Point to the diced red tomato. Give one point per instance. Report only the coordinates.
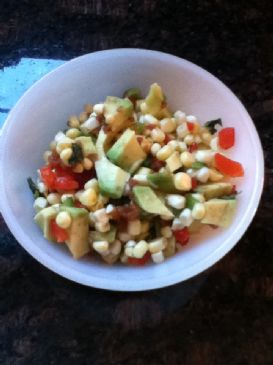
(226, 138)
(139, 262)
(48, 177)
(227, 166)
(59, 234)
(194, 183)
(193, 147)
(66, 184)
(182, 236)
(156, 164)
(190, 126)
(58, 178)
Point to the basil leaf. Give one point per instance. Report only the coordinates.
(197, 165)
(77, 154)
(33, 187)
(212, 123)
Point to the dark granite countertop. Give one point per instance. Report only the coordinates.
(225, 315)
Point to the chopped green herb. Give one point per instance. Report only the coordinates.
(197, 165)
(147, 162)
(33, 187)
(69, 202)
(211, 125)
(133, 94)
(140, 127)
(77, 154)
(190, 201)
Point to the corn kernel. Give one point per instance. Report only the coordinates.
(101, 227)
(182, 181)
(66, 154)
(73, 133)
(176, 201)
(180, 117)
(187, 158)
(88, 108)
(155, 148)
(73, 121)
(164, 153)
(168, 125)
(39, 204)
(89, 197)
(78, 168)
(63, 220)
(215, 175)
(166, 232)
(157, 135)
(214, 144)
(182, 130)
(134, 227)
(53, 198)
(186, 217)
(98, 108)
(46, 155)
(189, 139)
(92, 183)
(158, 257)
(101, 247)
(140, 249)
(83, 117)
(87, 163)
(157, 245)
(174, 162)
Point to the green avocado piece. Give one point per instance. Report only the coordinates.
(111, 178)
(133, 94)
(87, 145)
(214, 190)
(43, 219)
(109, 236)
(162, 181)
(102, 143)
(126, 152)
(117, 112)
(77, 242)
(148, 201)
(69, 202)
(219, 212)
(190, 201)
(155, 103)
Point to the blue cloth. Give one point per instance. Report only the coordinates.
(15, 80)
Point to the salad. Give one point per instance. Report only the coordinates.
(130, 181)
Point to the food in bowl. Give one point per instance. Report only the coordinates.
(130, 181)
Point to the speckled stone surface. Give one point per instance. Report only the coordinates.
(225, 315)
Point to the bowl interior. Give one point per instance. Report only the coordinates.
(44, 109)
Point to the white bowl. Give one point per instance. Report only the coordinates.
(43, 110)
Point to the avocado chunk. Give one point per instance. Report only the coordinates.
(214, 190)
(111, 178)
(109, 236)
(43, 219)
(126, 152)
(219, 212)
(87, 145)
(117, 112)
(162, 181)
(148, 201)
(78, 231)
(102, 143)
(155, 103)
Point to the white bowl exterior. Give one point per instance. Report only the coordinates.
(45, 107)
